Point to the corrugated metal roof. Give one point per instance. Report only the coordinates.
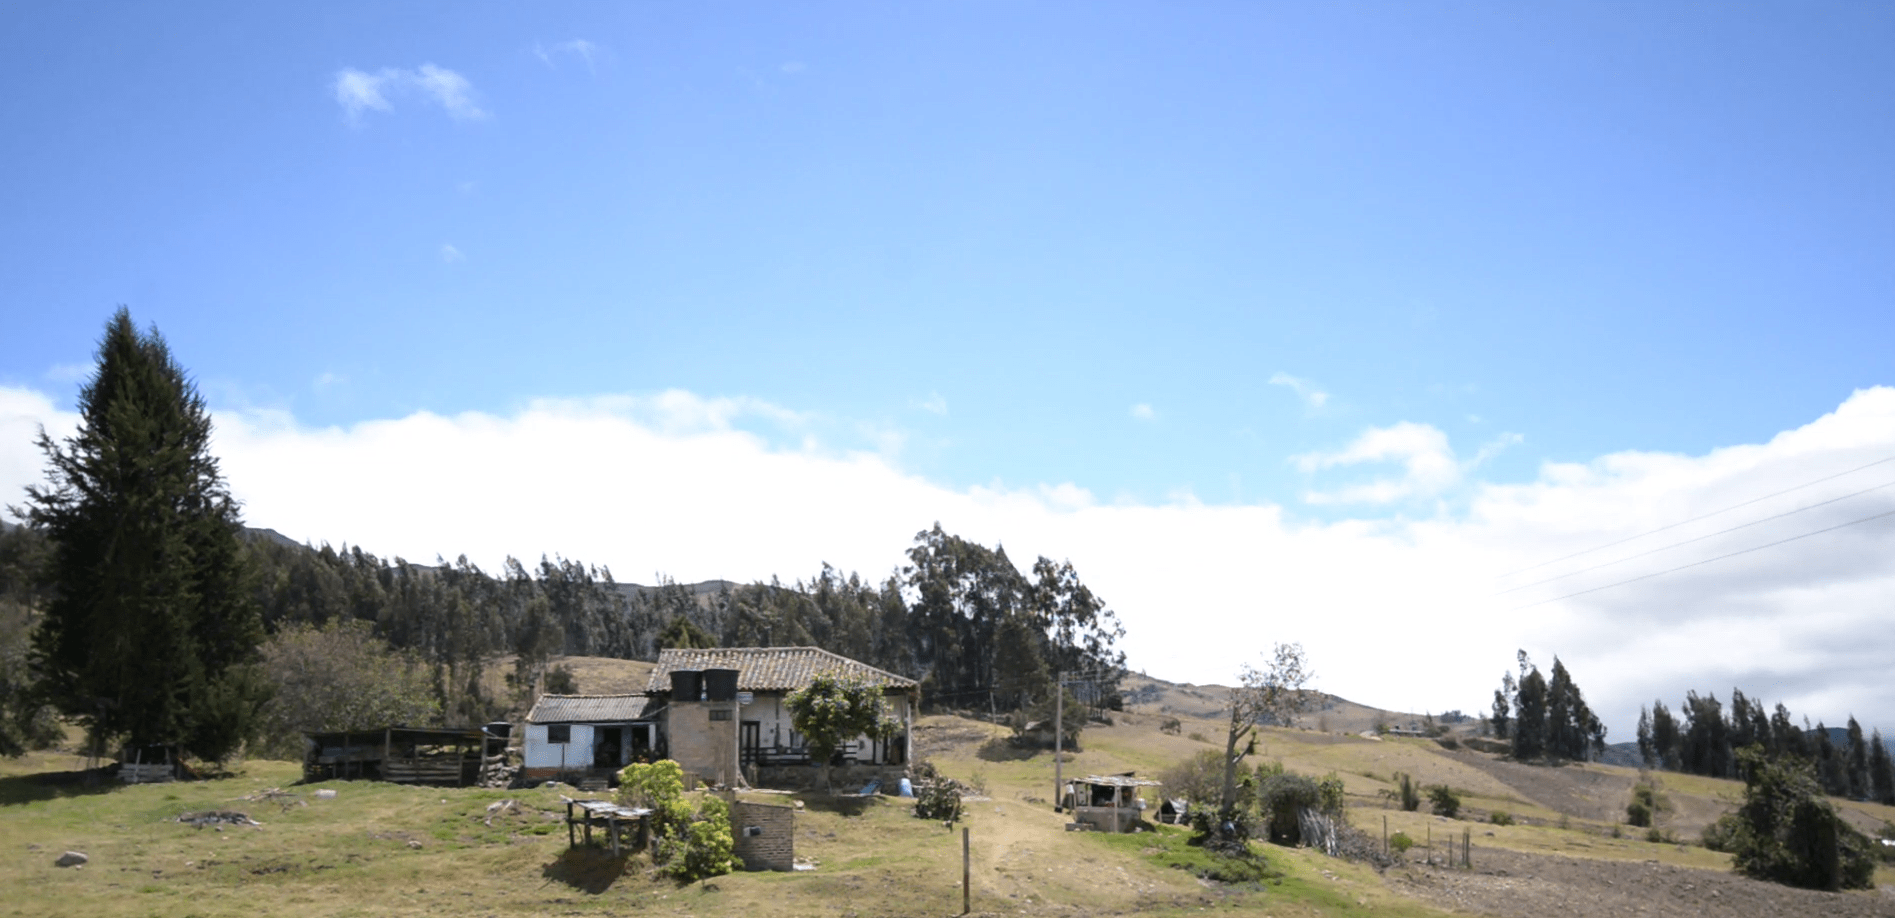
(769, 669)
(584, 709)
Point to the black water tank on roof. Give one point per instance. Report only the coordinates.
(687, 685)
(720, 685)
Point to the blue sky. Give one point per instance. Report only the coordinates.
(1352, 268)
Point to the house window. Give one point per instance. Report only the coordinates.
(720, 715)
(559, 734)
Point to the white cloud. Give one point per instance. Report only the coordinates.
(359, 91)
(326, 379)
(1427, 462)
(672, 483)
(450, 254)
(1429, 466)
(584, 50)
(1313, 397)
(935, 403)
(792, 67)
(1144, 412)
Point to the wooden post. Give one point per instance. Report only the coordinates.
(1384, 834)
(966, 876)
(388, 749)
(1059, 745)
(570, 840)
(612, 829)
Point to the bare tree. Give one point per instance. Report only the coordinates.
(1275, 695)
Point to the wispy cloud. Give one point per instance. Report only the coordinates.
(359, 91)
(1427, 461)
(1144, 412)
(584, 50)
(69, 372)
(328, 378)
(935, 403)
(1312, 396)
(450, 254)
(792, 67)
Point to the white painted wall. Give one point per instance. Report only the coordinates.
(542, 754)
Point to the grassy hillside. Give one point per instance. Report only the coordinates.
(379, 849)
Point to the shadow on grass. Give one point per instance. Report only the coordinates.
(587, 869)
(841, 804)
(1003, 749)
(49, 785)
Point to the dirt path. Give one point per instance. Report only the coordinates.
(1516, 885)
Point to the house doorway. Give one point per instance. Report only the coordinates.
(607, 747)
(750, 741)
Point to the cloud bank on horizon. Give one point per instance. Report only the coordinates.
(1773, 553)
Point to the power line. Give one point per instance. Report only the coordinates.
(1697, 518)
(1696, 539)
(1706, 561)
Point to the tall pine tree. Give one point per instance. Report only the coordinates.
(153, 630)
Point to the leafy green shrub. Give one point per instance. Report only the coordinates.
(1445, 801)
(1786, 832)
(1646, 804)
(1500, 818)
(658, 786)
(940, 800)
(1400, 842)
(1406, 792)
(706, 848)
(1225, 831)
(1281, 797)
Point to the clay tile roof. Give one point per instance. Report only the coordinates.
(581, 709)
(769, 669)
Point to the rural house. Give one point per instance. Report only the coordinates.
(724, 719)
(575, 737)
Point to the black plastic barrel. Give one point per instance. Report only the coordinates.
(687, 685)
(720, 685)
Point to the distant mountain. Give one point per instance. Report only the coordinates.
(270, 535)
(699, 589)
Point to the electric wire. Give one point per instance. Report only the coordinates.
(1681, 567)
(1697, 518)
(1695, 539)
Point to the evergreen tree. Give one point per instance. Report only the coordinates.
(1881, 771)
(1529, 729)
(1665, 739)
(1857, 761)
(1647, 750)
(153, 629)
(1503, 705)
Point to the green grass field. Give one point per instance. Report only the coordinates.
(385, 849)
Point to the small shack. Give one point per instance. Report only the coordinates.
(1106, 803)
(588, 737)
(455, 756)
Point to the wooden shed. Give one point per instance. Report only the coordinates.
(1107, 803)
(404, 755)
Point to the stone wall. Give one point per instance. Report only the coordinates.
(765, 835)
(847, 778)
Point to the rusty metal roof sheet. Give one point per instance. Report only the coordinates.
(583, 709)
(769, 669)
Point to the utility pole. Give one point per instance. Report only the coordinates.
(1059, 741)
